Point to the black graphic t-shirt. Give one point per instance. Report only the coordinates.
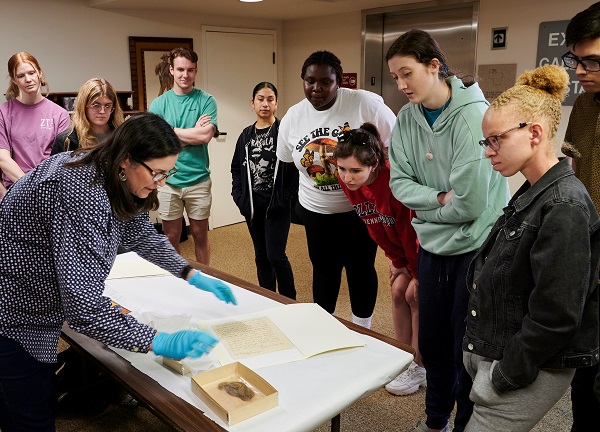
(262, 158)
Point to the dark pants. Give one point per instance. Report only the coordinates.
(337, 241)
(28, 399)
(586, 407)
(443, 302)
(269, 236)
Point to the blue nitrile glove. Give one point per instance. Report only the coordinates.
(184, 343)
(214, 286)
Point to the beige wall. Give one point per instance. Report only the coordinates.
(340, 34)
(522, 18)
(74, 42)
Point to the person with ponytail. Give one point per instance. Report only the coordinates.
(29, 122)
(533, 306)
(263, 188)
(364, 174)
(438, 169)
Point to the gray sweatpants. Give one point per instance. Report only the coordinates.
(513, 411)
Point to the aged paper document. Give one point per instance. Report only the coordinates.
(251, 337)
(259, 338)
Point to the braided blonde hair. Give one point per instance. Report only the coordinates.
(537, 95)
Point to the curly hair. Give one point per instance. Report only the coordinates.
(537, 94)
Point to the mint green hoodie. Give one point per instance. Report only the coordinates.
(458, 163)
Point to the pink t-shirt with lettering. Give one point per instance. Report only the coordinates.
(28, 131)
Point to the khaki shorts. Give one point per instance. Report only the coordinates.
(195, 199)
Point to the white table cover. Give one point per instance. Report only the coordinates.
(311, 391)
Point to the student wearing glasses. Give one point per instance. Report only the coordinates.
(61, 225)
(438, 170)
(364, 174)
(583, 146)
(29, 122)
(97, 113)
(533, 306)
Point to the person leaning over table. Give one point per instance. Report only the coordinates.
(73, 210)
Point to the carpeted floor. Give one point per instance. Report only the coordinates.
(232, 252)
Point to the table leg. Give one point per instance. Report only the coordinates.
(335, 424)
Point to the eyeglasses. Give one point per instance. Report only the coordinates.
(96, 107)
(493, 141)
(158, 176)
(572, 62)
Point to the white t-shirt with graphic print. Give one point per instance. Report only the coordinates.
(308, 137)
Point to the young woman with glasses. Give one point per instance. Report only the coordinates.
(263, 188)
(29, 122)
(97, 112)
(308, 135)
(533, 307)
(364, 174)
(61, 225)
(438, 169)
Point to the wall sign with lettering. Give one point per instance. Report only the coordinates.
(551, 47)
(349, 80)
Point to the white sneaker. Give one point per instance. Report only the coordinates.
(422, 427)
(408, 381)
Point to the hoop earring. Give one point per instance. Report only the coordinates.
(122, 175)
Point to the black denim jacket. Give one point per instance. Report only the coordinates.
(533, 284)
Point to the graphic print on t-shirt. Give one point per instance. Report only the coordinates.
(262, 161)
(317, 158)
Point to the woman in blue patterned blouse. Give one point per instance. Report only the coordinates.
(60, 226)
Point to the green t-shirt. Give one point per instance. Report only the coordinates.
(183, 111)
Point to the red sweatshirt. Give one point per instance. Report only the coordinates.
(388, 221)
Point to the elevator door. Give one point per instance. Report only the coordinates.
(454, 27)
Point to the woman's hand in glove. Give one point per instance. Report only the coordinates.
(184, 343)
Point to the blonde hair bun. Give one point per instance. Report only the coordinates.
(551, 79)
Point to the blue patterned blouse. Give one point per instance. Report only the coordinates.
(59, 239)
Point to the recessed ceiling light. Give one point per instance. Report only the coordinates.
(251, 1)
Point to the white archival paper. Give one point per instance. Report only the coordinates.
(135, 268)
(307, 325)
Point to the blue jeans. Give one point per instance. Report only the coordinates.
(28, 399)
(443, 301)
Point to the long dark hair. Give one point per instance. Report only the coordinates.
(262, 85)
(420, 45)
(364, 144)
(142, 137)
